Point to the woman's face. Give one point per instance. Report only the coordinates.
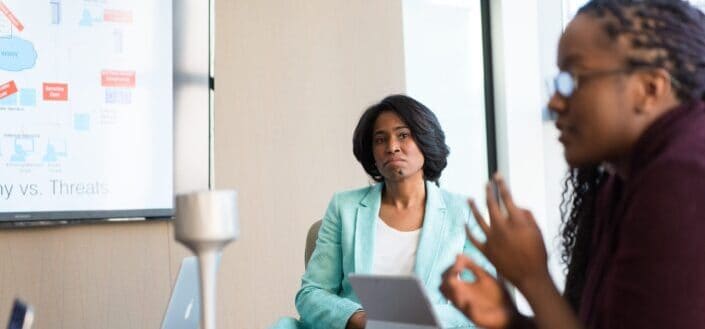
(597, 122)
(396, 154)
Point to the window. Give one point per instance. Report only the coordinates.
(443, 50)
(699, 3)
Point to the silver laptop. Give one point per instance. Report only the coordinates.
(394, 302)
(184, 307)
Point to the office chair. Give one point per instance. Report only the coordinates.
(311, 240)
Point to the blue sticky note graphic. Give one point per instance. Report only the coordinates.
(9, 100)
(82, 121)
(28, 97)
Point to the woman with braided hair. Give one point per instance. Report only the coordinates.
(630, 110)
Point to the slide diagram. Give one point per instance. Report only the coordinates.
(85, 84)
(55, 149)
(23, 146)
(16, 54)
(86, 36)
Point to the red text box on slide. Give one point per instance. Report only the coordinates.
(7, 89)
(112, 78)
(117, 16)
(55, 91)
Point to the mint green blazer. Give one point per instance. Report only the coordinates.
(345, 245)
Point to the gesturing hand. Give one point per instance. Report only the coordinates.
(514, 244)
(484, 301)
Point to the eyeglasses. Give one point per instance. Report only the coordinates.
(565, 83)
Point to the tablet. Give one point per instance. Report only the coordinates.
(394, 302)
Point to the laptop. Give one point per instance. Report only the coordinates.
(394, 302)
(184, 310)
(21, 316)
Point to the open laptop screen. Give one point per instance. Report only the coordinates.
(184, 307)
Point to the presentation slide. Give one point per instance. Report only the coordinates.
(86, 108)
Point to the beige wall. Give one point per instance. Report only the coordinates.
(293, 77)
(90, 276)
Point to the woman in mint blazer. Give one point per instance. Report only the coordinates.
(400, 144)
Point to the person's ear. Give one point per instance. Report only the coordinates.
(654, 87)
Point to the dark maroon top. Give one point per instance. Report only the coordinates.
(647, 262)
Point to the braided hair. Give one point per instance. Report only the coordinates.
(668, 34)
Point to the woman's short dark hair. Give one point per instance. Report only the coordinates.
(425, 129)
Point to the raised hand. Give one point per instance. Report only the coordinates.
(484, 301)
(514, 244)
(515, 247)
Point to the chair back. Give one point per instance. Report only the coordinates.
(311, 240)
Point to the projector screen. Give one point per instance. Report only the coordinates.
(86, 105)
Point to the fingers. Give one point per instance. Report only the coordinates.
(449, 291)
(478, 217)
(504, 193)
(462, 263)
(496, 216)
(483, 225)
(453, 271)
(478, 245)
(467, 263)
(529, 216)
(452, 284)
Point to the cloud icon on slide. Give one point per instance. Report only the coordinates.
(16, 54)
